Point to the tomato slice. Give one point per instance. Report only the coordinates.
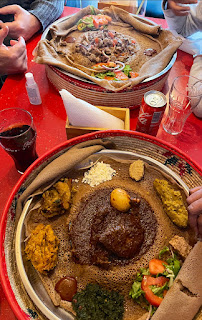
(156, 266)
(120, 75)
(148, 281)
(108, 18)
(96, 23)
(109, 78)
(111, 34)
(103, 21)
(101, 64)
(96, 40)
(115, 41)
(134, 74)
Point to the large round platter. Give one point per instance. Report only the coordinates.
(33, 285)
(91, 92)
(23, 290)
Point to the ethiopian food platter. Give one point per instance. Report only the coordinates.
(111, 47)
(110, 240)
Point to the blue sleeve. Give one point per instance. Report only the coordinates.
(46, 11)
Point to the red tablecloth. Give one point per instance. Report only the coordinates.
(50, 117)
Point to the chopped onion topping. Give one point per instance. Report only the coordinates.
(149, 314)
(122, 65)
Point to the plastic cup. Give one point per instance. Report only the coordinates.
(18, 137)
(185, 94)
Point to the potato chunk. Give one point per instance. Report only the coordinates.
(136, 170)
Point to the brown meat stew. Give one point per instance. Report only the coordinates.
(103, 236)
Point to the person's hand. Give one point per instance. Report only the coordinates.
(177, 6)
(24, 25)
(13, 59)
(195, 210)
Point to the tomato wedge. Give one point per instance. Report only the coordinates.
(120, 75)
(156, 266)
(96, 23)
(134, 74)
(115, 41)
(111, 34)
(96, 40)
(109, 78)
(148, 281)
(100, 65)
(101, 20)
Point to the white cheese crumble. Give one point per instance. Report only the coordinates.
(99, 173)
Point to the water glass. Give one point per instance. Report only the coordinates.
(185, 94)
(18, 136)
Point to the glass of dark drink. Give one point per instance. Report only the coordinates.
(18, 137)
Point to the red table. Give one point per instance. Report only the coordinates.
(50, 117)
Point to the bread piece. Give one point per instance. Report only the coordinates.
(181, 246)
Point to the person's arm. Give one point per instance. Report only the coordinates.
(184, 20)
(46, 11)
(24, 25)
(27, 23)
(194, 202)
(196, 72)
(13, 59)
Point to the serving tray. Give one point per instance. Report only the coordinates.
(31, 281)
(180, 165)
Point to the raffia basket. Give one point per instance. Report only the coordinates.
(96, 95)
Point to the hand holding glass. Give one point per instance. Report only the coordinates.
(185, 94)
(18, 136)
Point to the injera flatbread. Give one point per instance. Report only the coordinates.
(56, 52)
(118, 277)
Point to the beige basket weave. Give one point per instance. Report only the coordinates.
(96, 95)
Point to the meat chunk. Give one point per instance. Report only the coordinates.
(181, 246)
(123, 235)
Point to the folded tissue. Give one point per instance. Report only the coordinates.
(83, 114)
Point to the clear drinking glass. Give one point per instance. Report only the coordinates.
(18, 136)
(185, 94)
(132, 6)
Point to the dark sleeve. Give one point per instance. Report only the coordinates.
(46, 11)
